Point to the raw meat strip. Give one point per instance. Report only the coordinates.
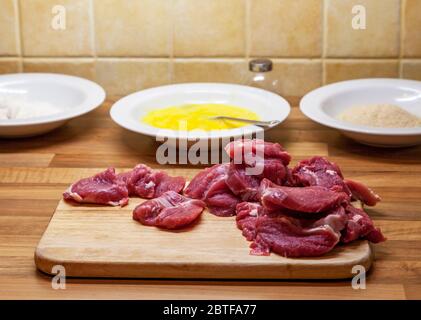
(247, 186)
(318, 171)
(305, 199)
(209, 185)
(288, 238)
(241, 184)
(204, 181)
(170, 211)
(359, 225)
(275, 171)
(336, 219)
(248, 151)
(363, 193)
(220, 200)
(164, 183)
(247, 215)
(144, 182)
(269, 164)
(130, 178)
(103, 188)
(265, 184)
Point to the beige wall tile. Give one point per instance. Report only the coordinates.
(412, 28)
(123, 76)
(40, 39)
(379, 39)
(209, 28)
(209, 70)
(9, 65)
(133, 28)
(84, 68)
(8, 25)
(411, 70)
(339, 70)
(297, 77)
(286, 28)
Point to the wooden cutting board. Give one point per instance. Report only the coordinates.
(98, 241)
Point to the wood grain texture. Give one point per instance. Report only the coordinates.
(25, 159)
(29, 195)
(95, 241)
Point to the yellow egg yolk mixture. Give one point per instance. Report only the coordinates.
(196, 116)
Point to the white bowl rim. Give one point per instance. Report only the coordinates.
(95, 96)
(311, 103)
(148, 130)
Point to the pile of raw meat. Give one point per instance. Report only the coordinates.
(300, 212)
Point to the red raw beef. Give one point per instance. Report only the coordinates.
(247, 215)
(241, 184)
(318, 171)
(103, 188)
(363, 193)
(359, 225)
(130, 178)
(170, 211)
(144, 182)
(271, 164)
(302, 212)
(289, 237)
(335, 218)
(209, 185)
(248, 151)
(305, 199)
(275, 171)
(220, 200)
(204, 180)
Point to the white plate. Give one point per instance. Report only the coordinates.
(128, 111)
(324, 104)
(74, 96)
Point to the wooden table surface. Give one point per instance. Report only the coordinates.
(32, 180)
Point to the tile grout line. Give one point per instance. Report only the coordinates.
(171, 44)
(401, 36)
(18, 30)
(58, 58)
(324, 40)
(215, 59)
(247, 33)
(93, 35)
(244, 77)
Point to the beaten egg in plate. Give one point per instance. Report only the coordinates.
(149, 112)
(198, 116)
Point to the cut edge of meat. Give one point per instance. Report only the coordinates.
(74, 197)
(246, 218)
(292, 241)
(363, 193)
(360, 226)
(117, 190)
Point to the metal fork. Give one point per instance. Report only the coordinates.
(265, 124)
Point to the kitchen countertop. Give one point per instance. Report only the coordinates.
(31, 186)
